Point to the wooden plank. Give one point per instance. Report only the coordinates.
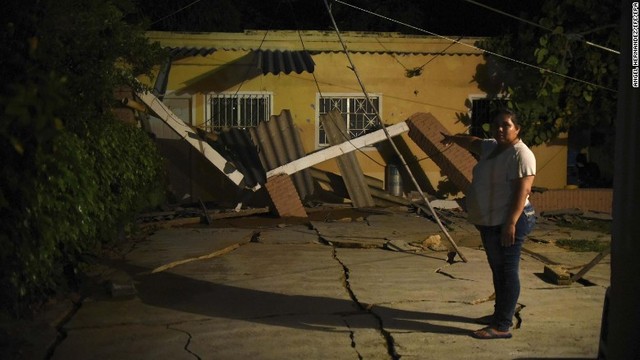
(224, 251)
(173, 121)
(213, 215)
(236, 214)
(337, 150)
(590, 265)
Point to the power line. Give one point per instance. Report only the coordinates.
(249, 68)
(315, 79)
(538, 25)
(244, 79)
(417, 71)
(476, 48)
(177, 11)
(392, 143)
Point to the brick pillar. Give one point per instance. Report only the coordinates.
(284, 196)
(455, 162)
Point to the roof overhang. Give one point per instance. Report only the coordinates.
(317, 42)
(266, 61)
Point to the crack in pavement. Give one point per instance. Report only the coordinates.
(391, 349)
(186, 346)
(442, 272)
(517, 316)
(352, 336)
(414, 301)
(62, 333)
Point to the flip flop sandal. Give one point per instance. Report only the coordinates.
(490, 333)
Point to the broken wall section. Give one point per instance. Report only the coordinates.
(454, 161)
(285, 199)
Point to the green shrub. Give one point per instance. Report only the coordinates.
(71, 175)
(82, 192)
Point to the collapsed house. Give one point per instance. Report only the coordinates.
(250, 116)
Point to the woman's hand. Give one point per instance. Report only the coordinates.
(508, 235)
(448, 139)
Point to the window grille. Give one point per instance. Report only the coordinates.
(238, 110)
(481, 112)
(359, 115)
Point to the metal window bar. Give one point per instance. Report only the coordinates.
(239, 111)
(481, 114)
(359, 116)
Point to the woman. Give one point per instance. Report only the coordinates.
(498, 204)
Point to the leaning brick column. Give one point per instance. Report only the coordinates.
(284, 196)
(454, 161)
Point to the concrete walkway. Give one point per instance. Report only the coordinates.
(292, 292)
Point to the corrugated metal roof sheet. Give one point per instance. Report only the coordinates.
(182, 52)
(279, 143)
(277, 61)
(271, 144)
(267, 61)
(350, 169)
(237, 146)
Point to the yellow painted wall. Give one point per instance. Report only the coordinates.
(442, 89)
(551, 161)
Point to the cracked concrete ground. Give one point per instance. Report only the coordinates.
(291, 293)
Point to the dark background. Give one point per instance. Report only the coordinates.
(443, 17)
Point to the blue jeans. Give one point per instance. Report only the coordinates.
(505, 263)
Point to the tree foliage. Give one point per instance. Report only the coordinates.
(71, 174)
(577, 86)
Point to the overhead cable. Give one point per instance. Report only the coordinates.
(315, 79)
(177, 11)
(537, 25)
(393, 144)
(476, 48)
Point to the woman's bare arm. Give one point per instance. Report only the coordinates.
(469, 142)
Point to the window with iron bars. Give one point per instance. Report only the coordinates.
(481, 112)
(241, 110)
(359, 115)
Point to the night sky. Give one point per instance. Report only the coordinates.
(444, 17)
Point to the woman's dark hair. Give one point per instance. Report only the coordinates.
(508, 112)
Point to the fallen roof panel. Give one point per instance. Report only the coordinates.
(185, 132)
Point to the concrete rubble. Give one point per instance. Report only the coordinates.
(324, 289)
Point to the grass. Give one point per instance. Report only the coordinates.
(587, 225)
(583, 245)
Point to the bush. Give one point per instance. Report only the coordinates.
(71, 175)
(80, 194)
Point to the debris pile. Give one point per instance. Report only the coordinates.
(190, 215)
